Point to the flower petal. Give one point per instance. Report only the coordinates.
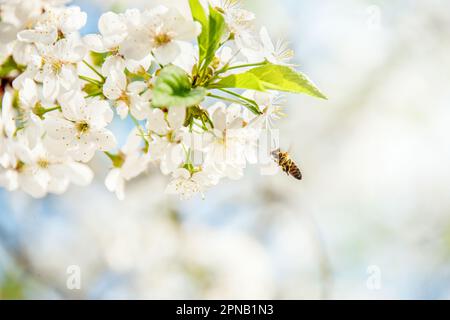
(104, 140)
(167, 53)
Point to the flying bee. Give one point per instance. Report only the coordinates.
(287, 164)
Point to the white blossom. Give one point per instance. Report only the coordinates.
(240, 22)
(230, 144)
(134, 97)
(30, 100)
(264, 49)
(80, 128)
(167, 135)
(39, 173)
(271, 105)
(132, 161)
(113, 31)
(187, 185)
(58, 71)
(53, 24)
(159, 32)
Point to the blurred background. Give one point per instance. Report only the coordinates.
(370, 220)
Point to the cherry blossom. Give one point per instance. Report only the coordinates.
(160, 31)
(58, 71)
(128, 164)
(134, 97)
(167, 135)
(39, 172)
(187, 185)
(80, 127)
(179, 82)
(265, 49)
(53, 24)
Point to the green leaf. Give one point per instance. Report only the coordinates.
(199, 15)
(217, 27)
(173, 88)
(271, 77)
(213, 29)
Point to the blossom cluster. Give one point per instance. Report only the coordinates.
(207, 83)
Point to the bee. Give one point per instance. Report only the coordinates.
(287, 164)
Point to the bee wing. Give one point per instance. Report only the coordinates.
(276, 153)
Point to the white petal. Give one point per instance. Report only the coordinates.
(167, 53)
(135, 66)
(73, 105)
(9, 180)
(181, 173)
(74, 20)
(176, 117)
(266, 40)
(122, 109)
(79, 174)
(8, 118)
(105, 140)
(115, 85)
(50, 88)
(115, 183)
(188, 30)
(219, 119)
(55, 147)
(140, 109)
(112, 179)
(95, 43)
(137, 87)
(133, 166)
(34, 184)
(60, 129)
(133, 142)
(136, 46)
(188, 59)
(68, 77)
(47, 36)
(115, 64)
(173, 159)
(111, 89)
(24, 53)
(58, 186)
(111, 24)
(85, 150)
(98, 113)
(183, 28)
(157, 123)
(29, 94)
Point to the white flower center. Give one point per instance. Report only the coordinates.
(82, 127)
(162, 39)
(55, 64)
(43, 163)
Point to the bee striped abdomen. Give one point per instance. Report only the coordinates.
(287, 164)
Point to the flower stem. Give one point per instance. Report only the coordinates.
(116, 159)
(249, 104)
(95, 70)
(227, 68)
(40, 111)
(95, 94)
(224, 98)
(141, 131)
(52, 109)
(253, 102)
(90, 80)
